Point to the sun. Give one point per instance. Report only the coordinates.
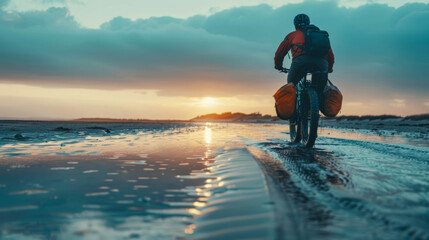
(208, 101)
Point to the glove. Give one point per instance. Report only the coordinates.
(278, 68)
(330, 70)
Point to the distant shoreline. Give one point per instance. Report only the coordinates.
(381, 124)
(94, 120)
(242, 117)
(233, 117)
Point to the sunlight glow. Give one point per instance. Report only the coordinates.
(190, 229)
(199, 204)
(208, 101)
(193, 211)
(208, 135)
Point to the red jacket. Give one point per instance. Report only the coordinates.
(295, 41)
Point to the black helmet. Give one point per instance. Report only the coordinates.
(301, 20)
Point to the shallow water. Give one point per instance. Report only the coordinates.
(201, 181)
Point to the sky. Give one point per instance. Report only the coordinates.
(169, 59)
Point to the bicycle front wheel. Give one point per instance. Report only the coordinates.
(295, 131)
(310, 118)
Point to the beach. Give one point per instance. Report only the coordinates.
(191, 180)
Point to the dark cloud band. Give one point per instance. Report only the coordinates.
(374, 44)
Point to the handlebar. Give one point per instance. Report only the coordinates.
(284, 70)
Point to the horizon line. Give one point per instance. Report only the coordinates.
(110, 119)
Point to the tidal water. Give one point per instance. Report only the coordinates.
(65, 180)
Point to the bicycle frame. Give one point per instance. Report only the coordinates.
(304, 123)
(301, 89)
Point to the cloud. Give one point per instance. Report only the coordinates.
(398, 103)
(47, 2)
(226, 53)
(4, 3)
(53, 18)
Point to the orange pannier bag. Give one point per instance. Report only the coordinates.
(285, 101)
(332, 100)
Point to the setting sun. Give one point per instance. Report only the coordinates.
(208, 101)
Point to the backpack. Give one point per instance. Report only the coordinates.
(316, 41)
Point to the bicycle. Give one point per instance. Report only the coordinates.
(305, 120)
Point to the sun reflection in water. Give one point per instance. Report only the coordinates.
(199, 204)
(190, 229)
(193, 211)
(208, 134)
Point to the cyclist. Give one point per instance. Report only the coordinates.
(301, 62)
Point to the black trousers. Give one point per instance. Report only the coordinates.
(303, 64)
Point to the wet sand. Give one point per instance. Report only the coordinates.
(150, 182)
(208, 181)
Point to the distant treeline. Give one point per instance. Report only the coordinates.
(229, 116)
(234, 117)
(383, 117)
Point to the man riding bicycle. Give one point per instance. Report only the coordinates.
(302, 61)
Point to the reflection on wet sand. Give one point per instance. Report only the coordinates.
(123, 190)
(102, 186)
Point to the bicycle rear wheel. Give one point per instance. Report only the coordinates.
(310, 118)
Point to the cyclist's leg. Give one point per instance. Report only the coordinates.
(297, 69)
(296, 72)
(320, 64)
